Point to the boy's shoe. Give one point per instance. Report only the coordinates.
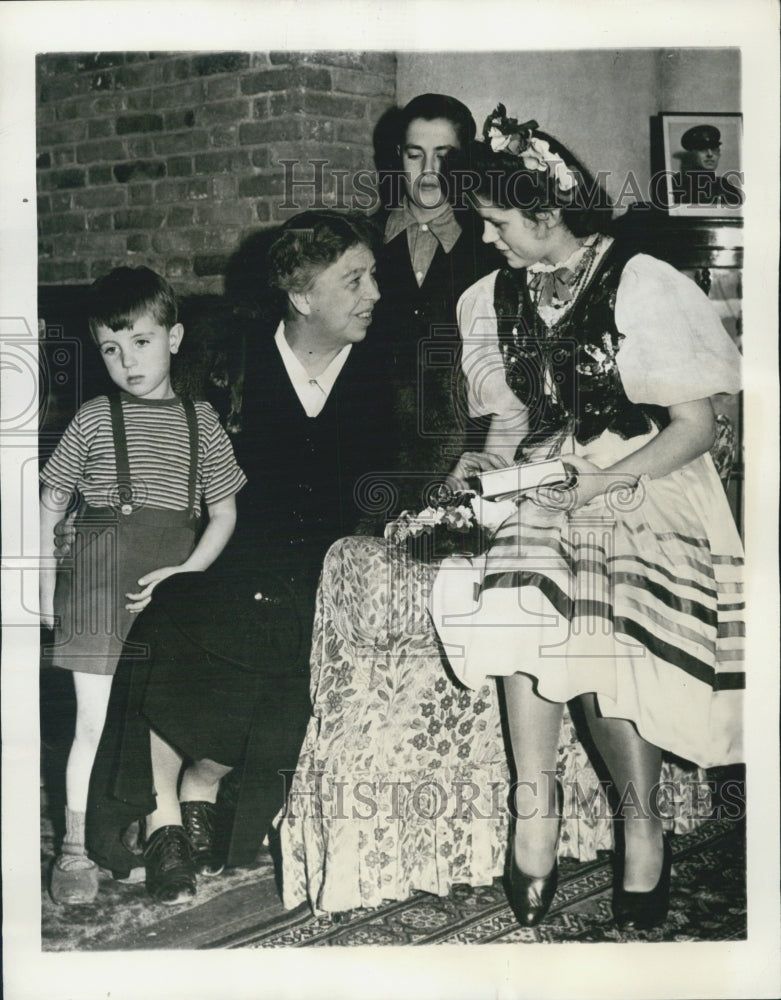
(199, 819)
(74, 880)
(170, 875)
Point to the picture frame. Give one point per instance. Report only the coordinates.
(704, 181)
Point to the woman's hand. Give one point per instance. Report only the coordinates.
(590, 481)
(148, 582)
(689, 434)
(468, 466)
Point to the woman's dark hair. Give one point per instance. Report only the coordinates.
(309, 243)
(117, 299)
(503, 179)
(432, 106)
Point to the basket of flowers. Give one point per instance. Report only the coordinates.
(455, 522)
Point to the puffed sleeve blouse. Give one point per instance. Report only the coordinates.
(674, 350)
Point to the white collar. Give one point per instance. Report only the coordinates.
(571, 262)
(312, 392)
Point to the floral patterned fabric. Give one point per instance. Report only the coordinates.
(402, 781)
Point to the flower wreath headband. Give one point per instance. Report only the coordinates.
(505, 135)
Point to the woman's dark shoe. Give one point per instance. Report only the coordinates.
(170, 874)
(530, 898)
(644, 910)
(199, 820)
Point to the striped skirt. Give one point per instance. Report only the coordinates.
(637, 596)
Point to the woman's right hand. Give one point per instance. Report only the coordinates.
(468, 466)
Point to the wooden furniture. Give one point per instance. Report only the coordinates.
(694, 244)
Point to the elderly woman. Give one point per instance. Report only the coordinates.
(403, 781)
(226, 677)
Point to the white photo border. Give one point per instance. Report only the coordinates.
(728, 969)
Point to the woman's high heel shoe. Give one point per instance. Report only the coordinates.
(644, 910)
(530, 896)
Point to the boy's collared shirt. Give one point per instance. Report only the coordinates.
(312, 392)
(423, 237)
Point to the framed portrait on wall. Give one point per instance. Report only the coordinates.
(702, 163)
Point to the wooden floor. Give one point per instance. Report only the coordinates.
(125, 918)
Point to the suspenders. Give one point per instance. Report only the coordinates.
(123, 464)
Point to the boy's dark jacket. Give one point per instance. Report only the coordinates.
(417, 328)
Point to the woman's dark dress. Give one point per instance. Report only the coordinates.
(227, 675)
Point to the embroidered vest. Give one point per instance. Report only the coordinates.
(567, 374)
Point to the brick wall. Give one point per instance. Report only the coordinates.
(170, 159)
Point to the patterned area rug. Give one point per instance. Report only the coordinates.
(708, 904)
(241, 909)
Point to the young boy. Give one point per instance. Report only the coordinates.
(142, 462)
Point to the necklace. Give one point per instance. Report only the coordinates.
(552, 293)
(554, 290)
(585, 269)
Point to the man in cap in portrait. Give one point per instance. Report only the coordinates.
(697, 183)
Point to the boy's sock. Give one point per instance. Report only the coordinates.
(74, 841)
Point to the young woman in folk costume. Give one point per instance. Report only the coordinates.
(625, 589)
